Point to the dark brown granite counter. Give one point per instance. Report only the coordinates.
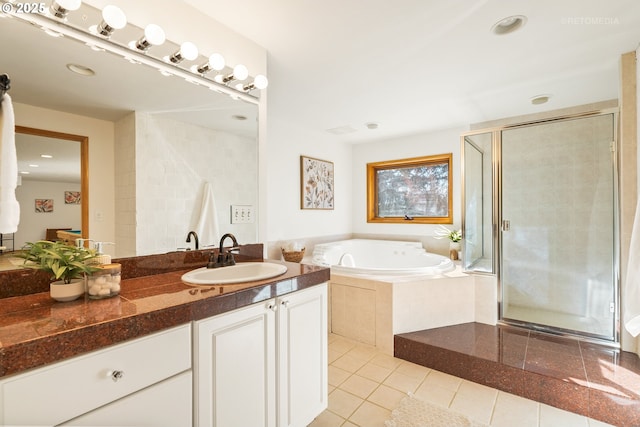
(36, 330)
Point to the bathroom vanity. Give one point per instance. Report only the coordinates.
(165, 353)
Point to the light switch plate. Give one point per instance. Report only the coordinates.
(242, 214)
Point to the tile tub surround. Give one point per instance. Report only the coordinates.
(585, 378)
(35, 330)
(371, 309)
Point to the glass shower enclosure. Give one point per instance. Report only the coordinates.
(552, 233)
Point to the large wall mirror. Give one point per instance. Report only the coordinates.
(53, 191)
(154, 142)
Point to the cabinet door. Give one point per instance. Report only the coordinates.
(302, 356)
(234, 369)
(166, 404)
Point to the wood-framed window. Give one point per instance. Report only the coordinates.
(415, 190)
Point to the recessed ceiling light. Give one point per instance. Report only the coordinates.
(509, 24)
(341, 130)
(540, 99)
(46, 156)
(34, 166)
(371, 125)
(81, 69)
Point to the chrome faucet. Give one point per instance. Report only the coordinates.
(223, 259)
(195, 236)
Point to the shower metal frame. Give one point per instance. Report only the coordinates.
(497, 268)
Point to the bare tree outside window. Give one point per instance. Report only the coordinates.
(410, 190)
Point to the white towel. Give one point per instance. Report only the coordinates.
(207, 228)
(631, 293)
(9, 207)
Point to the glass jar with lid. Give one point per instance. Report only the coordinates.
(105, 282)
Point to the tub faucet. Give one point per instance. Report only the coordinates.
(195, 236)
(224, 259)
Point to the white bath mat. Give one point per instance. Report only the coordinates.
(414, 412)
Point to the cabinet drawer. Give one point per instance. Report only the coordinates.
(64, 390)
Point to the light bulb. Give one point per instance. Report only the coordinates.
(188, 51)
(216, 62)
(60, 8)
(154, 35)
(240, 72)
(114, 17)
(260, 82)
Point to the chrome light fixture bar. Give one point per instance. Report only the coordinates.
(136, 51)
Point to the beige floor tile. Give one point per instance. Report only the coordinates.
(362, 351)
(554, 417)
(386, 397)
(475, 406)
(341, 345)
(343, 403)
(337, 376)
(386, 361)
(443, 380)
(327, 419)
(360, 386)
(471, 388)
(370, 415)
(402, 382)
(349, 424)
(435, 394)
(413, 370)
(511, 410)
(349, 363)
(333, 355)
(374, 372)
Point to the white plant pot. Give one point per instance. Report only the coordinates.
(64, 292)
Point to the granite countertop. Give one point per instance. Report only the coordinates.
(36, 330)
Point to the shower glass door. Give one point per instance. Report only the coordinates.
(557, 226)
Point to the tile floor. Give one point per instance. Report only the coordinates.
(366, 385)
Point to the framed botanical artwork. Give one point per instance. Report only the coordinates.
(316, 183)
(415, 190)
(72, 197)
(44, 205)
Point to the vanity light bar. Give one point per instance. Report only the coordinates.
(136, 52)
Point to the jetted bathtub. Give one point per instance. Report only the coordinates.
(379, 257)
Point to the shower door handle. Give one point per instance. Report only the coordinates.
(506, 225)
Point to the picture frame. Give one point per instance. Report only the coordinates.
(316, 183)
(72, 197)
(415, 190)
(44, 205)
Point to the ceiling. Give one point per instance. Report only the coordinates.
(420, 65)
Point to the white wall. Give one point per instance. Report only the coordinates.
(101, 160)
(445, 141)
(286, 221)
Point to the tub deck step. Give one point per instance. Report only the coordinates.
(585, 378)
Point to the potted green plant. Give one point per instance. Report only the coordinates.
(66, 265)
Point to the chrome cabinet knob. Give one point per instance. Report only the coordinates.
(117, 375)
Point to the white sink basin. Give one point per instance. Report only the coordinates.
(241, 272)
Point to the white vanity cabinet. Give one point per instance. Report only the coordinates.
(142, 382)
(264, 365)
